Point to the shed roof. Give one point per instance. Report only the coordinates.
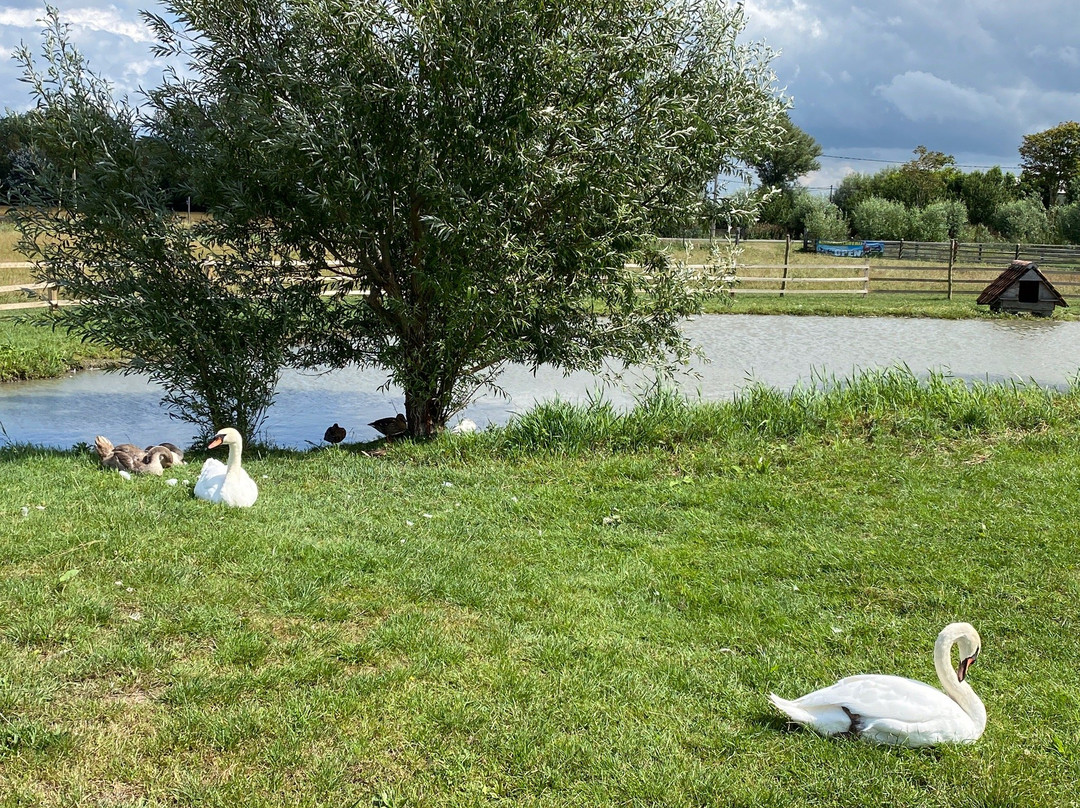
(1011, 275)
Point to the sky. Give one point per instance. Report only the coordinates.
(869, 81)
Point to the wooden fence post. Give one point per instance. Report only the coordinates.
(787, 252)
(952, 260)
(52, 295)
(900, 251)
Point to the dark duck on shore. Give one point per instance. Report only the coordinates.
(334, 434)
(391, 427)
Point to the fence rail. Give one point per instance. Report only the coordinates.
(51, 297)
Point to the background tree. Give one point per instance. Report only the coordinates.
(852, 190)
(14, 150)
(1051, 161)
(792, 154)
(983, 192)
(919, 181)
(818, 218)
(483, 171)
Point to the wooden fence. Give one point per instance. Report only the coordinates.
(47, 295)
(905, 267)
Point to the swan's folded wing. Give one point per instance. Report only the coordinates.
(895, 698)
(210, 479)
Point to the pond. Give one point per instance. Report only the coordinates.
(780, 351)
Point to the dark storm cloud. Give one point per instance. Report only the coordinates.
(966, 78)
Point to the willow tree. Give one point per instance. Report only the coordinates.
(212, 321)
(486, 176)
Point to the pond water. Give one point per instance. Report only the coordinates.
(780, 351)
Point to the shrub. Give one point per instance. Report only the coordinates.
(928, 224)
(878, 218)
(1067, 223)
(1024, 220)
(820, 218)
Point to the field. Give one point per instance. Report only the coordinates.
(584, 609)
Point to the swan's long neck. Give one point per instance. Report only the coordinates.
(958, 691)
(234, 456)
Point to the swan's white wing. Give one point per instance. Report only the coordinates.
(208, 486)
(875, 696)
(239, 490)
(885, 709)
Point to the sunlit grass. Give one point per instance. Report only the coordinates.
(31, 349)
(586, 608)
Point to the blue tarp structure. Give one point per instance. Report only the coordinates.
(851, 250)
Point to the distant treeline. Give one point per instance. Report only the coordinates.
(927, 199)
(21, 161)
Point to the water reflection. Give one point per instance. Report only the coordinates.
(742, 349)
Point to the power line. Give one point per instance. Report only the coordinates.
(901, 162)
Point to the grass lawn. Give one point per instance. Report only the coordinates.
(579, 609)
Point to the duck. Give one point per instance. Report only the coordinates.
(900, 711)
(391, 427)
(226, 483)
(334, 434)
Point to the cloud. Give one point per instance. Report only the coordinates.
(923, 96)
(107, 20)
(792, 21)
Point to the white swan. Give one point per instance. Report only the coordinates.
(895, 710)
(226, 483)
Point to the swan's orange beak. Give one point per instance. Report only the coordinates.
(215, 442)
(962, 669)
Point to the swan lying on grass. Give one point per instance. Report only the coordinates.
(223, 483)
(895, 710)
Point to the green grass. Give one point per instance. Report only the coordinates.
(961, 307)
(9, 237)
(586, 608)
(30, 349)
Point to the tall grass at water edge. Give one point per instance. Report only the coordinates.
(892, 401)
(30, 349)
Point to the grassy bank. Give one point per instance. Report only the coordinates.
(30, 349)
(881, 305)
(582, 609)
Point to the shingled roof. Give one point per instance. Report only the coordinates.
(1015, 271)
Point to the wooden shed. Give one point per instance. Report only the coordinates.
(1022, 287)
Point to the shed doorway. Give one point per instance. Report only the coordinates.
(1028, 291)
